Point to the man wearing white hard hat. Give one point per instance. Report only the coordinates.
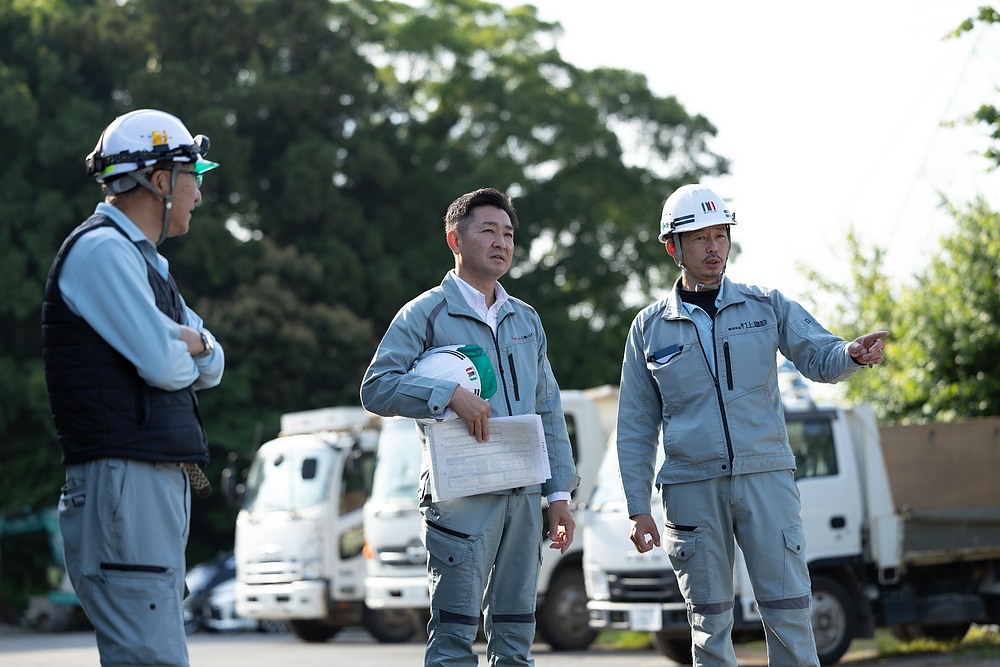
(124, 356)
(700, 374)
(483, 550)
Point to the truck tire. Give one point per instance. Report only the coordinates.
(833, 620)
(391, 626)
(562, 620)
(951, 632)
(673, 647)
(314, 632)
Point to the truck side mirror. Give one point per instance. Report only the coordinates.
(231, 488)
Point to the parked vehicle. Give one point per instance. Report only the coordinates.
(397, 560)
(210, 603)
(299, 532)
(59, 609)
(902, 531)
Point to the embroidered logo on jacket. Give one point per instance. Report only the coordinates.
(526, 336)
(751, 324)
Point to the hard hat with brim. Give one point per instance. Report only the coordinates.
(690, 208)
(467, 365)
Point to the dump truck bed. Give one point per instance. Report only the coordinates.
(943, 479)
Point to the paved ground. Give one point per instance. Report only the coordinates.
(20, 648)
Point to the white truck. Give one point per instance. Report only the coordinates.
(902, 531)
(299, 531)
(397, 560)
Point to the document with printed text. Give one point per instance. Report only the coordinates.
(516, 455)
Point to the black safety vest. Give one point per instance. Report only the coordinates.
(100, 405)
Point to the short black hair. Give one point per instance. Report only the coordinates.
(460, 211)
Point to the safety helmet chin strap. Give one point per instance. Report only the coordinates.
(168, 199)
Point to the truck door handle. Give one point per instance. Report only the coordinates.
(837, 522)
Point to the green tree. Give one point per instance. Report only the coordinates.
(943, 353)
(343, 129)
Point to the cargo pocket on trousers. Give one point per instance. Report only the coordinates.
(796, 571)
(139, 607)
(684, 550)
(452, 559)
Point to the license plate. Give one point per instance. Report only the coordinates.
(415, 594)
(645, 618)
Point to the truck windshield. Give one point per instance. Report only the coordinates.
(810, 435)
(289, 480)
(397, 465)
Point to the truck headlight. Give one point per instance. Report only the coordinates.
(311, 568)
(596, 582)
(312, 559)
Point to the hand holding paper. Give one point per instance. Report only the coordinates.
(514, 456)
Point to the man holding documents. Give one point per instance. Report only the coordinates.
(484, 550)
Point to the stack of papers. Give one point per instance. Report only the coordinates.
(514, 456)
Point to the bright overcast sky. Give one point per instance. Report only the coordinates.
(830, 114)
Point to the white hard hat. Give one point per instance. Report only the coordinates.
(142, 138)
(692, 207)
(467, 365)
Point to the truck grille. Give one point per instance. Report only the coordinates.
(271, 572)
(412, 554)
(644, 586)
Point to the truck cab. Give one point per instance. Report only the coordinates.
(299, 532)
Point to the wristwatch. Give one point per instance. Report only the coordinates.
(209, 344)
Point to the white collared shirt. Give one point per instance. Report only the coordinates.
(477, 301)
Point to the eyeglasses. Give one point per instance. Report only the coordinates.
(192, 172)
(197, 176)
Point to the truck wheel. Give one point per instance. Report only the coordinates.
(834, 623)
(391, 626)
(673, 647)
(562, 620)
(314, 632)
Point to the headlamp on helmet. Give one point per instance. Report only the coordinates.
(141, 139)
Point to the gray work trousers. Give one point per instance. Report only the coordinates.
(125, 528)
(483, 556)
(761, 512)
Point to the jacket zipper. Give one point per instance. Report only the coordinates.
(718, 394)
(513, 376)
(729, 365)
(503, 380)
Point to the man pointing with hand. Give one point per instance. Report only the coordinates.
(700, 370)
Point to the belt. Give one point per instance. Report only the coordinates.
(196, 477)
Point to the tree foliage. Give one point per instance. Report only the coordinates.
(343, 129)
(943, 353)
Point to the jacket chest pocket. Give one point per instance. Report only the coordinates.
(747, 359)
(519, 367)
(678, 370)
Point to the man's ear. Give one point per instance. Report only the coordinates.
(452, 239)
(669, 245)
(160, 179)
